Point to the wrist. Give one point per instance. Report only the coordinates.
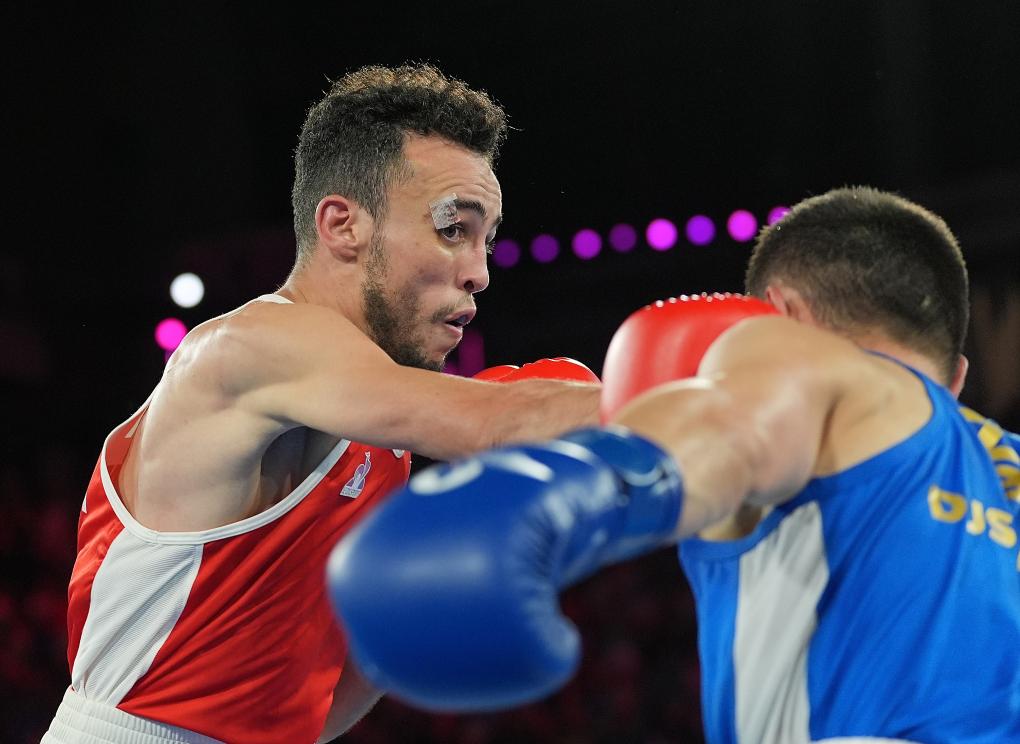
(649, 483)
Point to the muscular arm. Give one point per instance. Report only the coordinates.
(749, 428)
(353, 697)
(304, 365)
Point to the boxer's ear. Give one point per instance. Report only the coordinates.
(789, 302)
(960, 376)
(343, 227)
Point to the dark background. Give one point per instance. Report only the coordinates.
(146, 139)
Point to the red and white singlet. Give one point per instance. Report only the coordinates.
(225, 633)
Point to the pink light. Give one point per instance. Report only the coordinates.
(545, 248)
(776, 214)
(700, 230)
(661, 234)
(506, 253)
(470, 353)
(587, 244)
(623, 238)
(742, 225)
(169, 333)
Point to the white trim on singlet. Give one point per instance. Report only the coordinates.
(278, 299)
(138, 594)
(81, 721)
(261, 519)
(787, 569)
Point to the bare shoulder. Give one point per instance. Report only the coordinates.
(209, 411)
(774, 341)
(301, 364)
(262, 343)
(871, 401)
(810, 357)
(883, 404)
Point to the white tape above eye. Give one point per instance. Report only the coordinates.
(444, 211)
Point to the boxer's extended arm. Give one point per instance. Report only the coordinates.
(470, 583)
(749, 428)
(305, 365)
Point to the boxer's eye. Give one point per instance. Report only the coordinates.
(454, 233)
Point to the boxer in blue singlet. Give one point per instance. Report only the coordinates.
(850, 532)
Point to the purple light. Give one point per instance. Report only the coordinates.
(470, 353)
(169, 333)
(506, 253)
(545, 248)
(776, 214)
(661, 234)
(742, 225)
(700, 230)
(587, 244)
(623, 238)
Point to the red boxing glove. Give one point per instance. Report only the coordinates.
(558, 368)
(666, 340)
(493, 374)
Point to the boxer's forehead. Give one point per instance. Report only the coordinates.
(440, 169)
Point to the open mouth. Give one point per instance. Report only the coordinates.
(460, 320)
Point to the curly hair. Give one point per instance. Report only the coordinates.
(867, 259)
(352, 140)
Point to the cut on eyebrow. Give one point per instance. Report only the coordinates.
(477, 207)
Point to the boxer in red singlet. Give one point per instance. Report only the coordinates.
(197, 602)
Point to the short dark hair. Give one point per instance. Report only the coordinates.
(352, 140)
(866, 259)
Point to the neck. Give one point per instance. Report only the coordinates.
(901, 353)
(317, 286)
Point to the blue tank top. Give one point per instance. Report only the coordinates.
(883, 600)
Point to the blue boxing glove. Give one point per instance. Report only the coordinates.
(448, 591)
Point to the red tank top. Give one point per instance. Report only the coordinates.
(227, 632)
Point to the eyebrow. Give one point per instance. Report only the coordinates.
(477, 207)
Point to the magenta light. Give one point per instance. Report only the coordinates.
(742, 225)
(776, 214)
(506, 253)
(587, 244)
(623, 238)
(545, 248)
(169, 333)
(661, 234)
(470, 353)
(700, 230)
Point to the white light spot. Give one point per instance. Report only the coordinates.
(187, 290)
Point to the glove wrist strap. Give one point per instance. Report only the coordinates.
(651, 488)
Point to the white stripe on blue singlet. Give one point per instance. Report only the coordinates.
(786, 569)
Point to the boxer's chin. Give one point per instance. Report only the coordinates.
(412, 355)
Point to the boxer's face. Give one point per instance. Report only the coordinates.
(419, 281)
